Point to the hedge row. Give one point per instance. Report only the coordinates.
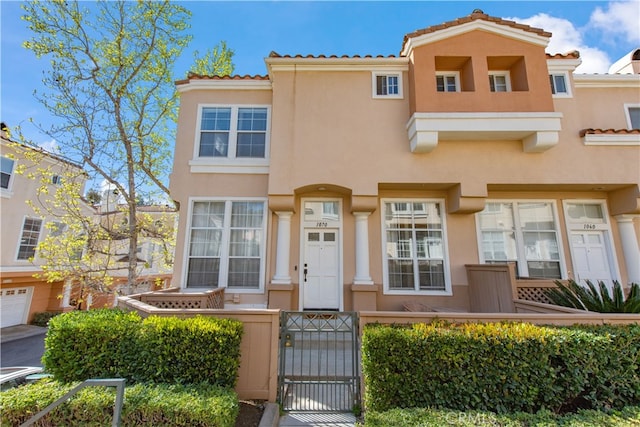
(144, 405)
(112, 343)
(501, 367)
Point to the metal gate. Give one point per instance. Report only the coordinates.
(319, 361)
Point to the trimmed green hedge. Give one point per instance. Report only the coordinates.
(501, 367)
(144, 405)
(424, 417)
(111, 343)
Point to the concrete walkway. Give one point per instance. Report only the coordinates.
(297, 419)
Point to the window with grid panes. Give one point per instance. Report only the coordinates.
(414, 246)
(226, 244)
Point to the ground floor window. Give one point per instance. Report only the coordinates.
(414, 242)
(226, 244)
(522, 232)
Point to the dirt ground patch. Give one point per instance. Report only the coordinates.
(250, 413)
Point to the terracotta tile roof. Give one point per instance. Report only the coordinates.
(193, 76)
(569, 55)
(277, 55)
(475, 15)
(590, 131)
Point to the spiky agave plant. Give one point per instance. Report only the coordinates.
(596, 298)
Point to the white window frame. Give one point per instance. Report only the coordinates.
(567, 85)
(507, 80)
(627, 114)
(445, 251)
(224, 250)
(21, 236)
(523, 268)
(6, 192)
(445, 74)
(374, 85)
(231, 163)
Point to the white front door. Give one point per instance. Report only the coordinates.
(590, 257)
(320, 279)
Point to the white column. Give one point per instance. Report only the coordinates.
(283, 244)
(362, 249)
(630, 249)
(66, 296)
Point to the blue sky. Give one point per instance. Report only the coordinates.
(603, 31)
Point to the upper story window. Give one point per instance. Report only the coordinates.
(448, 81)
(499, 81)
(522, 232)
(29, 238)
(633, 116)
(56, 179)
(233, 132)
(387, 85)
(559, 84)
(6, 171)
(415, 255)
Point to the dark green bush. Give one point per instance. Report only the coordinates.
(596, 298)
(501, 367)
(144, 405)
(188, 351)
(90, 344)
(111, 343)
(42, 318)
(424, 417)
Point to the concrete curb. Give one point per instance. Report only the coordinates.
(270, 416)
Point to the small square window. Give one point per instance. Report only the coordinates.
(499, 82)
(6, 171)
(633, 116)
(56, 180)
(447, 82)
(387, 86)
(558, 84)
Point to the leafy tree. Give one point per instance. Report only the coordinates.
(216, 61)
(110, 86)
(93, 196)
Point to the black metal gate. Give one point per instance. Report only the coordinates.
(319, 361)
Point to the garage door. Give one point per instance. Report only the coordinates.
(14, 306)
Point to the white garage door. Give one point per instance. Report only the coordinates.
(14, 306)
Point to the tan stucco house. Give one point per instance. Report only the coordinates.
(23, 292)
(361, 183)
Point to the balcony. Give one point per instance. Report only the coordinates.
(538, 131)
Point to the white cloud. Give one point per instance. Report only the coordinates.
(50, 146)
(620, 19)
(566, 38)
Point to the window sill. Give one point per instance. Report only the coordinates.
(445, 293)
(244, 166)
(6, 194)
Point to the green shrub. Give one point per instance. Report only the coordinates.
(111, 343)
(596, 298)
(188, 350)
(144, 405)
(501, 367)
(90, 344)
(423, 417)
(42, 318)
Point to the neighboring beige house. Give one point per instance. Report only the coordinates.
(360, 183)
(22, 229)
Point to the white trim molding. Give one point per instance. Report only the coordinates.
(611, 139)
(490, 27)
(537, 131)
